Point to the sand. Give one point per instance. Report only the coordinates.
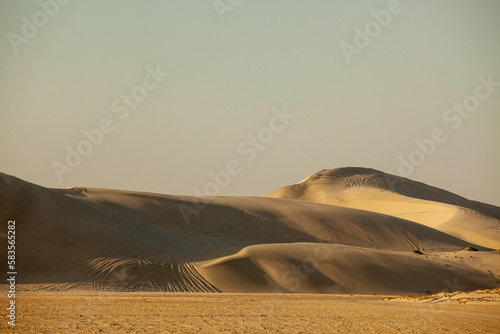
(129, 241)
(139, 312)
(339, 232)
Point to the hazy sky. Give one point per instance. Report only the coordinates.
(362, 92)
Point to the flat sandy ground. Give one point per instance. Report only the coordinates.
(130, 312)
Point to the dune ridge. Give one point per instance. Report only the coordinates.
(347, 230)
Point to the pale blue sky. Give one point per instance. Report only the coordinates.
(225, 78)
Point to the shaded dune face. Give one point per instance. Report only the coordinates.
(339, 231)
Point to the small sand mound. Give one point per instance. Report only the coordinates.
(489, 296)
(470, 249)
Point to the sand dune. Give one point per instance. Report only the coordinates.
(339, 231)
(372, 190)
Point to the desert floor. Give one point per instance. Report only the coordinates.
(139, 312)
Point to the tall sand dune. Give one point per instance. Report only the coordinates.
(339, 231)
(372, 190)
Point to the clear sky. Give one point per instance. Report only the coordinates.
(362, 92)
